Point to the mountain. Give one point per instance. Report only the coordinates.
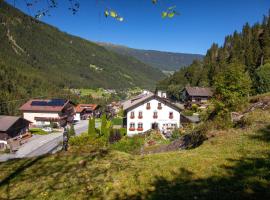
(165, 61)
(36, 49)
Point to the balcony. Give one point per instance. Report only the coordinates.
(139, 129)
(131, 129)
(140, 117)
(155, 116)
(132, 116)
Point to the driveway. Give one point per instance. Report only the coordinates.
(42, 144)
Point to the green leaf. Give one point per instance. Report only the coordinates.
(113, 14)
(120, 19)
(164, 14)
(171, 14)
(172, 7)
(106, 13)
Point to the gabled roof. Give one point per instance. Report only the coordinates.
(141, 99)
(45, 105)
(7, 121)
(136, 100)
(81, 107)
(199, 91)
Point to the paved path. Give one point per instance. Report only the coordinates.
(43, 144)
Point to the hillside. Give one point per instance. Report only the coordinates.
(39, 50)
(165, 61)
(232, 165)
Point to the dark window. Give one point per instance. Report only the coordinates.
(148, 106)
(155, 114)
(132, 115)
(171, 115)
(140, 115)
(159, 106)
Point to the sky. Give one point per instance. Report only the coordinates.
(200, 23)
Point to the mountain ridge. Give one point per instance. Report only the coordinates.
(163, 60)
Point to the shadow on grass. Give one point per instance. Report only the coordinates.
(247, 178)
(263, 134)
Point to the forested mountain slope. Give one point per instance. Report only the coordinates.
(166, 61)
(248, 50)
(40, 50)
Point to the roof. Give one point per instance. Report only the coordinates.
(80, 107)
(192, 119)
(7, 121)
(136, 100)
(141, 99)
(199, 91)
(44, 105)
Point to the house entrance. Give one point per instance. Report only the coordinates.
(155, 126)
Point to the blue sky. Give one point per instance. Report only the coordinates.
(200, 23)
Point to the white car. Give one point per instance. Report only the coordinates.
(47, 129)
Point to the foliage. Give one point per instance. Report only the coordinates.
(71, 131)
(117, 121)
(115, 136)
(103, 124)
(263, 73)
(232, 87)
(91, 127)
(38, 131)
(129, 144)
(175, 134)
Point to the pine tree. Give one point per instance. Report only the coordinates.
(91, 127)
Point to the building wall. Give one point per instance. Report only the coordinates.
(30, 116)
(148, 120)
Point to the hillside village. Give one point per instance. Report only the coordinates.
(95, 120)
(139, 114)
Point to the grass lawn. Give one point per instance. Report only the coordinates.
(38, 131)
(97, 93)
(233, 165)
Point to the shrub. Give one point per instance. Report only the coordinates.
(123, 131)
(194, 107)
(54, 125)
(38, 131)
(71, 131)
(91, 127)
(175, 134)
(115, 136)
(187, 112)
(129, 144)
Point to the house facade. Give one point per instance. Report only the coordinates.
(150, 111)
(43, 112)
(196, 95)
(11, 127)
(84, 111)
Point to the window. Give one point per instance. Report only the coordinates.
(132, 126)
(155, 115)
(171, 115)
(140, 115)
(140, 126)
(159, 106)
(132, 115)
(148, 107)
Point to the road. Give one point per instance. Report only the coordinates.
(43, 144)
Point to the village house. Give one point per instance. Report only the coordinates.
(149, 111)
(84, 111)
(12, 127)
(196, 95)
(43, 112)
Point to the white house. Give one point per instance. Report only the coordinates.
(149, 111)
(42, 112)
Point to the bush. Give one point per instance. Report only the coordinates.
(54, 125)
(91, 127)
(129, 144)
(71, 131)
(187, 112)
(117, 121)
(123, 131)
(175, 134)
(194, 107)
(115, 136)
